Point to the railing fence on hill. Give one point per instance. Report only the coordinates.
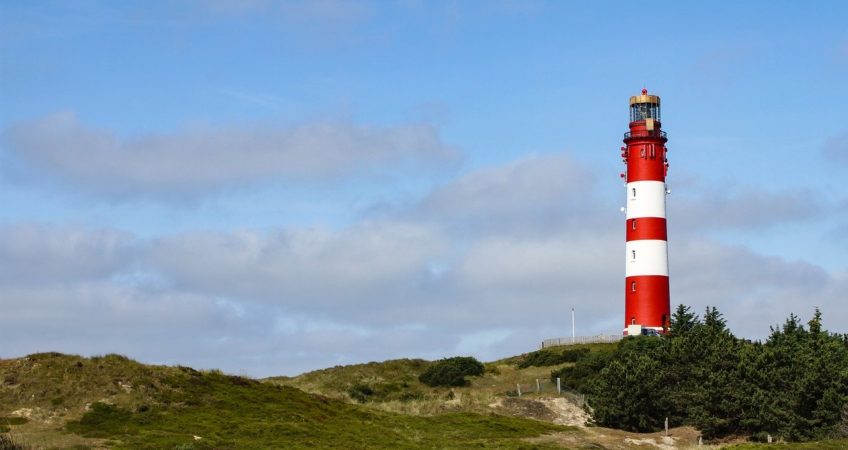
(547, 386)
(599, 339)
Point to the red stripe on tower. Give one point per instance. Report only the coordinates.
(647, 305)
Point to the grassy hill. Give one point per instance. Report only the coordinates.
(56, 401)
(113, 402)
(394, 386)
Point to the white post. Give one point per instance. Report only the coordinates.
(666, 426)
(559, 386)
(538, 387)
(572, 324)
(518, 388)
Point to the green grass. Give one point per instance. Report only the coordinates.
(397, 380)
(388, 381)
(233, 412)
(830, 444)
(115, 402)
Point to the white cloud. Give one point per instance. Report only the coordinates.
(200, 159)
(312, 269)
(36, 254)
(708, 209)
(542, 193)
(417, 284)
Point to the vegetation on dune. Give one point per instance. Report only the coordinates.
(393, 380)
(179, 407)
(577, 376)
(833, 444)
(552, 357)
(793, 386)
(452, 371)
(8, 442)
(232, 412)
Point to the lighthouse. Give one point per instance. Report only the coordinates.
(646, 299)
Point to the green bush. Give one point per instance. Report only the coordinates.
(360, 392)
(574, 355)
(582, 372)
(451, 371)
(793, 386)
(542, 358)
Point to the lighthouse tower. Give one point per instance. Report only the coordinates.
(646, 300)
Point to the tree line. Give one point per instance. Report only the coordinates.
(792, 386)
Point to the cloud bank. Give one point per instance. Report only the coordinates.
(194, 161)
(411, 282)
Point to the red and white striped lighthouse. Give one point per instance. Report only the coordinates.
(646, 299)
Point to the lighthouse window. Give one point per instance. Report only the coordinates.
(633, 321)
(633, 252)
(634, 192)
(633, 224)
(632, 286)
(642, 111)
(653, 152)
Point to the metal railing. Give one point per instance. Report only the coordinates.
(599, 339)
(651, 133)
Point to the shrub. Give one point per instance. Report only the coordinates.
(584, 370)
(360, 392)
(7, 442)
(542, 358)
(451, 371)
(574, 355)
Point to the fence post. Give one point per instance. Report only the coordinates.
(559, 386)
(518, 388)
(666, 426)
(538, 387)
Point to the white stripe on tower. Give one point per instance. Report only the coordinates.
(646, 257)
(645, 199)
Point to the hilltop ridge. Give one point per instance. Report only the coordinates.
(69, 401)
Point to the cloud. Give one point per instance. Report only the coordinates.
(836, 149)
(708, 208)
(752, 290)
(533, 192)
(37, 254)
(352, 270)
(428, 281)
(197, 160)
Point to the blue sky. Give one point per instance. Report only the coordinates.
(270, 187)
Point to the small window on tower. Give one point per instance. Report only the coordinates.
(632, 286)
(634, 192)
(633, 224)
(633, 321)
(633, 254)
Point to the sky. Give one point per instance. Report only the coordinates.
(271, 187)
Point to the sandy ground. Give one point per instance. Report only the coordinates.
(561, 411)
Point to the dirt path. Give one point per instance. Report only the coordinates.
(563, 412)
